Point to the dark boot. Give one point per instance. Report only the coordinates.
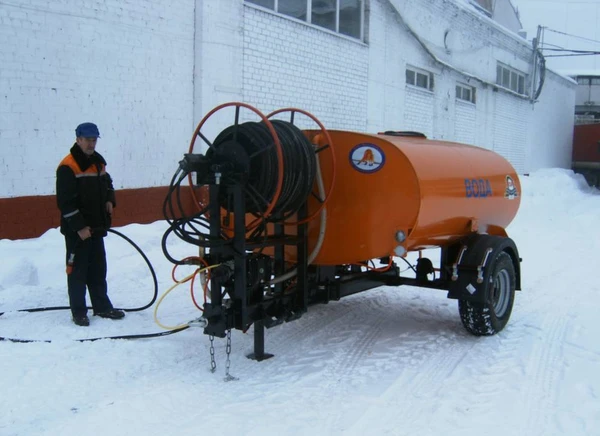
(112, 314)
(81, 320)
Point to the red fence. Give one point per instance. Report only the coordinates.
(29, 217)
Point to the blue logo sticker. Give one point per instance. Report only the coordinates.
(367, 158)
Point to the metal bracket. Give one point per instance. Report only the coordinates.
(458, 260)
(198, 322)
(482, 265)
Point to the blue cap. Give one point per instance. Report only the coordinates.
(87, 130)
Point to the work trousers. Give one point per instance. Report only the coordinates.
(88, 270)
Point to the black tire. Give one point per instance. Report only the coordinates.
(486, 319)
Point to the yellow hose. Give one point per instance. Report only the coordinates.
(186, 279)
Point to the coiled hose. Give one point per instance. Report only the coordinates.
(299, 165)
(247, 154)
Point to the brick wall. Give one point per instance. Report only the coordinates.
(550, 138)
(418, 115)
(146, 71)
(510, 135)
(530, 135)
(465, 123)
(126, 65)
(287, 63)
(457, 33)
(31, 216)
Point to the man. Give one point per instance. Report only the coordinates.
(86, 198)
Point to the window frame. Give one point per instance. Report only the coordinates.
(511, 78)
(336, 30)
(461, 88)
(588, 80)
(418, 73)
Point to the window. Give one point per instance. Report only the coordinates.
(292, 8)
(588, 80)
(419, 78)
(510, 78)
(341, 16)
(465, 92)
(521, 87)
(324, 13)
(351, 18)
(264, 3)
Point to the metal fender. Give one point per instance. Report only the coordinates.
(470, 272)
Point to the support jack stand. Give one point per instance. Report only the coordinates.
(259, 343)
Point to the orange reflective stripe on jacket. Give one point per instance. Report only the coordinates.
(92, 170)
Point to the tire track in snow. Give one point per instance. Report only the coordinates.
(341, 373)
(424, 381)
(432, 357)
(467, 377)
(480, 387)
(545, 366)
(444, 357)
(346, 362)
(319, 323)
(306, 327)
(303, 344)
(326, 353)
(361, 332)
(505, 354)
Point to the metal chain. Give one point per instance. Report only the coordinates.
(213, 364)
(228, 377)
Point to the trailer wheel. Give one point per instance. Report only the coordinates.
(486, 319)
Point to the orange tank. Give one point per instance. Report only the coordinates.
(430, 192)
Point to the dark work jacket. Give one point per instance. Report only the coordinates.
(82, 189)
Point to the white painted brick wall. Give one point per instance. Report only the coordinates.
(124, 65)
(509, 125)
(511, 129)
(550, 137)
(418, 115)
(465, 123)
(287, 63)
(146, 74)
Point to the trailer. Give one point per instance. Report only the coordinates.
(289, 214)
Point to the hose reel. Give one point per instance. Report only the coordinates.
(274, 164)
(246, 154)
(272, 159)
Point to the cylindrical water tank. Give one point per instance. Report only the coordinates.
(396, 193)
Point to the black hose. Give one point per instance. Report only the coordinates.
(409, 264)
(245, 154)
(128, 337)
(135, 309)
(299, 163)
(542, 66)
(152, 272)
(184, 226)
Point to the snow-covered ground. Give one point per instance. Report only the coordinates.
(388, 361)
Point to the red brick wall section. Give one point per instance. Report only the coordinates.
(30, 217)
